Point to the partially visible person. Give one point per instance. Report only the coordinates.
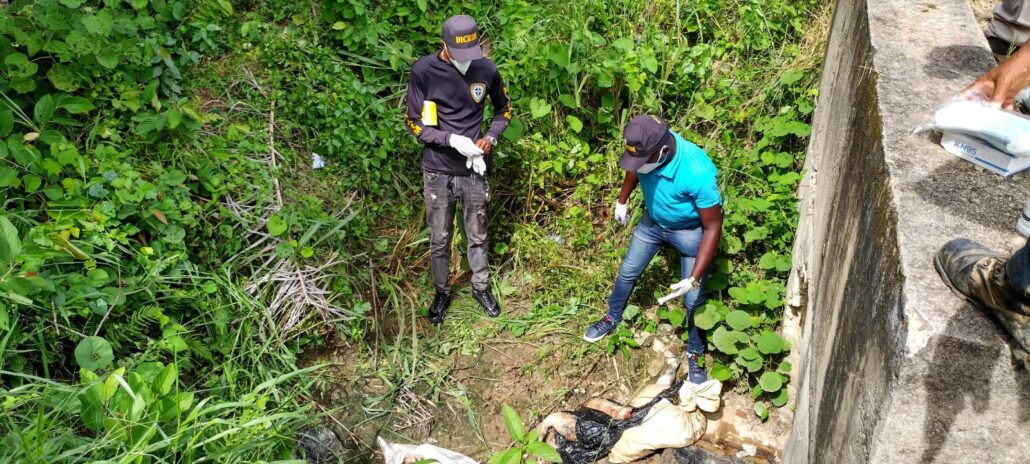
(998, 284)
(445, 104)
(684, 210)
(1005, 81)
(1009, 27)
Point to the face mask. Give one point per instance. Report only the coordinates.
(647, 168)
(461, 66)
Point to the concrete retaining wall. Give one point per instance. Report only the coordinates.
(893, 367)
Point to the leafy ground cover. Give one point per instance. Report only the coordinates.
(167, 251)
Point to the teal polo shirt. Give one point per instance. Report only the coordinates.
(674, 193)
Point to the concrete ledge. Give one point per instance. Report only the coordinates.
(894, 367)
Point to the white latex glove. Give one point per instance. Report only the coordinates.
(477, 163)
(621, 213)
(464, 145)
(679, 289)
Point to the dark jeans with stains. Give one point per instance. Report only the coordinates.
(442, 192)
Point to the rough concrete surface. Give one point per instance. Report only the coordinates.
(895, 368)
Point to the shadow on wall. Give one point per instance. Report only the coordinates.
(957, 184)
(971, 364)
(966, 62)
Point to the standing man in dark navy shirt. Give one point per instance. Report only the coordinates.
(446, 96)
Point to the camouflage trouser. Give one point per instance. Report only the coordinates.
(441, 192)
(1017, 321)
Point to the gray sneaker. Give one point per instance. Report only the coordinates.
(979, 276)
(599, 329)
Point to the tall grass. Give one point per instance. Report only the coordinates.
(250, 406)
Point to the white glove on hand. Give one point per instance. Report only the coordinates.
(621, 213)
(477, 163)
(464, 145)
(679, 289)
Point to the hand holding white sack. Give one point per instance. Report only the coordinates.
(668, 425)
(1004, 130)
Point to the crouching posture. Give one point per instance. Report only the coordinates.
(659, 417)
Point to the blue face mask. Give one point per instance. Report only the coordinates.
(662, 159)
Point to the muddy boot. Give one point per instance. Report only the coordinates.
(439, 307)
(979, 276)
(486, 300)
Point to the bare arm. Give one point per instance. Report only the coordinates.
(628, 183)
(711, 224)
(1002, 83)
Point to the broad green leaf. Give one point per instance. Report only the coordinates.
(674, 316)
(543, 451)
(625, 44)
(174, 118)
(558, 54)
(509, 456)
(76, 105)
(44, 110)
(6, 123)
(750, 364)
(339, 26)
(771, 382)
(107, 58)
(165, 380)
(138, 4)
(514, 130)
(768, 260)
(94, 353)
(631, 312)
(739, 320)
(31, 183)
(780, 398)
(99, 23)
(769, 343)
(72, 3)
(574, 123)
(91, 407)
(784, 367)
(514, 423)
(649, 61)
(539, 108)
(277, 226)
(725, 340)
(10, 244)
(720, 372)
(761, 410)
(568, 100)
(707, 317)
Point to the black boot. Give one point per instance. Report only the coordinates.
(439, 307)
(979, 276)
(486, 299)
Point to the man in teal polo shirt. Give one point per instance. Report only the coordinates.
(684, 210)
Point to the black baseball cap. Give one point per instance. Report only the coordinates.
(644, 136)
(461, 34)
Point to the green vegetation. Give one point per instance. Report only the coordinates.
(167, 252)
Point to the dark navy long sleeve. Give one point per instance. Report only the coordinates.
(460, 101)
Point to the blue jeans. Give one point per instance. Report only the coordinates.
(648, 238)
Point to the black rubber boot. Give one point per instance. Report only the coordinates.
(439, 307)
(486, 299)
(979, 276)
